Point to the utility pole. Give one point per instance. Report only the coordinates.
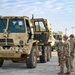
(65, 31)
(72, 30)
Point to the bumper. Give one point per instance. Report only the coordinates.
(13, 52)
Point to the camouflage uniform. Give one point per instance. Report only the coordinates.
(60, 51)
(58, 57)
(72, 47)
(56, 48)
(66, 52)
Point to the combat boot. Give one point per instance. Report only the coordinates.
(60, 72)
(67, 73)
(72, 70)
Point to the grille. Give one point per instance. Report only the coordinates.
(9, 41)
(2, 40)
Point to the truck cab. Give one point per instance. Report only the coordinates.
(42, 33)
(16, 40)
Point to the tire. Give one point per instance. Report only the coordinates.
(31, 62)
(15, 61)
(43, 58)
(52, 49)
(1, 62)
(48, 55)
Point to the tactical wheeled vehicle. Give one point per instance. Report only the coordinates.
(17, 40)
(57, 36)
(43, 33)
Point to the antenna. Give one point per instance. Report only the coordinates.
(32, 16)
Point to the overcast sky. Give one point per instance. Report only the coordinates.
(60, 13)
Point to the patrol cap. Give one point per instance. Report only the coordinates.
(65, 36)
(72, 35)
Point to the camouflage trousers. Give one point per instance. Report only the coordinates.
(64, 63)
(71, 62)
(59, 57)
(61, 65)
(67, 63)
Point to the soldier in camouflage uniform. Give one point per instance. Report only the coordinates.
(66, 52)
(56, 46)
(60, 51)
(72, 48)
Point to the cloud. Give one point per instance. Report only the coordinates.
(4, 1)
(55, 10)
(58, 8)
(34, 6)
(59, 4)
(38, 3)
(49, 2)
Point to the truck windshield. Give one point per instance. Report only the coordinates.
(39, 26)
(2, 24)
(57, 37)
(16, 26)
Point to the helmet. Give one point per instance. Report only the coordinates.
(65, 36)
(72, 35)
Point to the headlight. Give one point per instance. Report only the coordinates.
(21, 42)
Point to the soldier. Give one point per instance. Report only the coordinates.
(72, 48)
(56, 48)
(60, 56)
(66, 52)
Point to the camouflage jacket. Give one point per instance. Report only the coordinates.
(72, 46)
(66, 49)
(59, 46)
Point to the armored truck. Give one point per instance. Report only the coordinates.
(43, 33)
(57, 36)
(17, 40)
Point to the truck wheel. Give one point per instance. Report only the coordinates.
(1, 62)
(43, 58)
(15, 61)
(31, 62)
(48, 55)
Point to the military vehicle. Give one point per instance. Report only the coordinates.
(57, 36)
(17, 40)
(43, 33)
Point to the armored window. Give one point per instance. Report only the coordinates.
(2, 24)
(42, 27)
(16, 25)
(39, 26)
(57, 37)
